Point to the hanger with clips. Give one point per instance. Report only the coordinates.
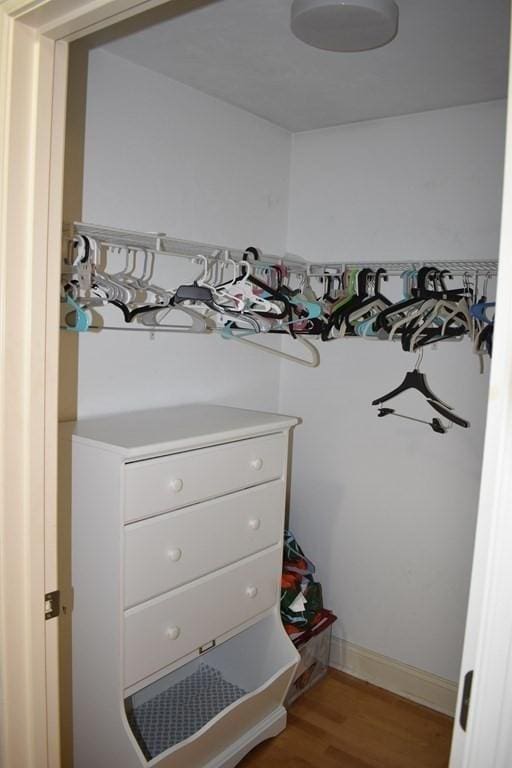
(436, 424)
(416, 380)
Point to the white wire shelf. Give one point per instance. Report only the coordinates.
(160, 243)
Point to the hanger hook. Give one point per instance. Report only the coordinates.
(201, 259)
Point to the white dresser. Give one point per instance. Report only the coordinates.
(179, 656)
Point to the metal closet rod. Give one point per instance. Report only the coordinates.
(162, 244)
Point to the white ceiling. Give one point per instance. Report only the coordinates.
(447, 52)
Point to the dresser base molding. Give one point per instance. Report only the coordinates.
(266, 729)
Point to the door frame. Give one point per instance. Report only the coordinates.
(34, 41)
(34, 38)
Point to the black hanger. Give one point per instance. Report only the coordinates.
(436, 425)
(429, 335)
(328, 282)
(87, 248)
(416, 380)
(337, 317)
(194, 292)
(432, 334)
(448, 414)
(420, 293)
(130, 314)
(413, 380)
(486, 337)
(252, 251)
(377, 295)
(440, 291)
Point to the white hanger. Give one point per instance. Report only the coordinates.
(313, 362)
(205, 280)
(415, 312)
(245, 291)
(154, 320)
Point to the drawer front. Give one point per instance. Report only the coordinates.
(170, 627)
(161, 485)
(166, 551)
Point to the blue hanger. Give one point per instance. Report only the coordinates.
(407, 278)
(81, 317)
(479, 310)
(365, 328)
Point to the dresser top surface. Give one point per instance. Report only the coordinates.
(141, 433)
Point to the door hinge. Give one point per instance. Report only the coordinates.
(466, 698)
(52, 604)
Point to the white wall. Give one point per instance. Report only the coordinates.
(387, 507)
(160, 156)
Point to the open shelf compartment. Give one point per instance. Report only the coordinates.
(195, 712)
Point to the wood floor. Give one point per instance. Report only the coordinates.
(345, 723)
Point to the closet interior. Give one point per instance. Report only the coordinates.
(257, 227)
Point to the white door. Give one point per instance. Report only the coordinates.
(487, 740)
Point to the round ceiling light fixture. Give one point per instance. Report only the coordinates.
(345, 25)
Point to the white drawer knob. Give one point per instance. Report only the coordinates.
(176, 485)
(254, 523)
(251, 591)
(174, 554)
(173, 633)
(257, 463)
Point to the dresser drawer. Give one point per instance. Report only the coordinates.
(166, 551)
(172, 626)
(160, 485)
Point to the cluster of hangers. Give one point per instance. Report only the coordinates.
(238, 298)
(428, 312)
(250, 294)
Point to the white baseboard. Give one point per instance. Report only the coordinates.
(411, 683)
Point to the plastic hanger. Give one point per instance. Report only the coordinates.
(425, 334)
(266, 301)
(415, 311)
(200, 323)
(436, 425)
(351, 290)
(485, 336)
(362, 299)
(120, 281)
(232, 330)
(347, 303)
(416, 380)
(254, 298)
(373, 306)
(398, 311)
(460, 312)
(312, 362)
(80, 250)
(220, 297)
(479, 311)
(420, 295)
(435, 318)
(202, 294)
(413, 380)
(81, 317)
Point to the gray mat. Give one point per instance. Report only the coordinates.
(182, 710)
